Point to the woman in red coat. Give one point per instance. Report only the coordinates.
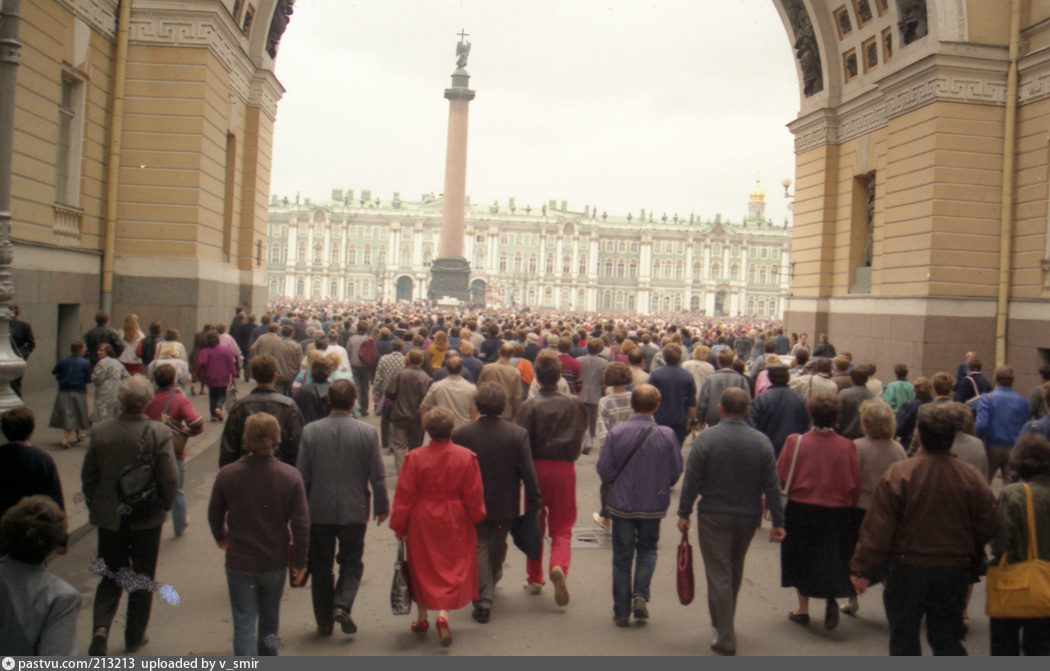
(439, 499)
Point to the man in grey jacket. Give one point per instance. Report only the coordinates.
(715, 384)
(339, 459)
(126, 542)
(730, 466)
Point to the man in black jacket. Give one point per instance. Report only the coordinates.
(264, 398)
(505, 461)
(102, 334)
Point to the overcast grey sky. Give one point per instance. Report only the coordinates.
(674, 106)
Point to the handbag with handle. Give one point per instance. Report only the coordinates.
(686, 584)
(1020, 590)
(401, 587)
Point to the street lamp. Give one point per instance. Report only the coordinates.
(11, 365)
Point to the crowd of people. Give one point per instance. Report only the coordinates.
(863, 482)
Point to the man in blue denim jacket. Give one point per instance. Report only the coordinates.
(1001, 414)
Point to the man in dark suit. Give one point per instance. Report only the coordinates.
(505, 460)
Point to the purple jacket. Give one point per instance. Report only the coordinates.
(643, 487)
(216, 366)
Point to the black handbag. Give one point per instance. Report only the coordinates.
(525, 531)
(401, 587)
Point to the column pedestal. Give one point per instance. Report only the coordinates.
(450, 276)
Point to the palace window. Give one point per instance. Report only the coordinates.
(315, 288)
(656, 270)
(548, 265)
(300, 287)
(734, 272)
(70, 140)
(517, 263)
(406, 255)
(762, 277)
(608, 268)
(750, 305)
(503, 263)
(300, 254)
(333, 290)
(351, 255)
(621, 270)
(619, 301)
(275, 253)
(716, 271)
(698, 271)
(350, 289)
(607, 300)
(533, 261)
(632, 270)
(335, 258)
(716, 250)
(750, 278)
(679, 270)
(630, 302)
(566, 265)
(583, 264)
(366, 259)
(366, 289)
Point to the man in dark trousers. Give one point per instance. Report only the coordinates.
(677, 393)
(506, 462)
(928, 516)
(730, 467)
(339, 460)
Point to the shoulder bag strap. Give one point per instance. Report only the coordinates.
(1033, 550)
(794, 460)
(637, 446)
(167, 405)
(976, 391)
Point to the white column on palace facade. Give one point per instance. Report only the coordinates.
(417, 245)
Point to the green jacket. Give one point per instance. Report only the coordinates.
(1013, 522)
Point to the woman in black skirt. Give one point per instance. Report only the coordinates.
(824, 487)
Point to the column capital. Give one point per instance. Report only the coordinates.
(459, 94)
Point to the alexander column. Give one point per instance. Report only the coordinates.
(450, 274)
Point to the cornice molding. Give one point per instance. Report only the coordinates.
(941, 77)
(209, 28)
(1034, 77)
(99, 14)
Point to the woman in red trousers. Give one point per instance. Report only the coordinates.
(439, 499)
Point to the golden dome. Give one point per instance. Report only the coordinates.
(758, 194)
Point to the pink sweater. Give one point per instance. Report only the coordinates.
(827, 473)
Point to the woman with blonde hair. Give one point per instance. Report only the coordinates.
(876, 452)
(132, 335)
(438, 349)
(168, 353)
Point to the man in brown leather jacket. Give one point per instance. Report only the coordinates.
(928, 518)
(556, 423)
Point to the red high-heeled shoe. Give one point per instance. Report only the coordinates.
(444, 632)
(420, 626)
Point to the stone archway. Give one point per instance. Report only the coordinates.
(405, 287)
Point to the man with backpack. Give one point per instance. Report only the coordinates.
(129, 518)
